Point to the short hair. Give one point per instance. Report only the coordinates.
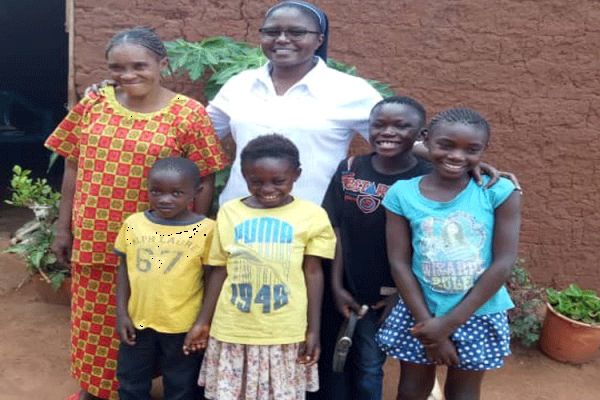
(140, 35)
(180, 165)
(271, 146)
(461, 115)
(405, 100)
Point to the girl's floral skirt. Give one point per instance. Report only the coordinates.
(255, 372)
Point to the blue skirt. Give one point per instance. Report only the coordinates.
(481, 343)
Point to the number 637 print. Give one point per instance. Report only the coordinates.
(271, 297)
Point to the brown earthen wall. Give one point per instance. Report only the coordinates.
(530, 66)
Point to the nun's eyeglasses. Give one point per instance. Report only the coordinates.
(291, 34)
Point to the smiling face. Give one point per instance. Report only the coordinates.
(270, 181)
(455, 148)
(393, 129)
(135, 69)
(170, 194)
(285, 51)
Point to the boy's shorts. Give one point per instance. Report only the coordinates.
(481, 343)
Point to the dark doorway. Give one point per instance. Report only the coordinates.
(33, 82)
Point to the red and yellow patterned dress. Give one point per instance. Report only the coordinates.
(114, 149)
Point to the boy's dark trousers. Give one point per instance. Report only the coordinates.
(332, 385)
(137, 366)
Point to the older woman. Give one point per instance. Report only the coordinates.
(109, 140)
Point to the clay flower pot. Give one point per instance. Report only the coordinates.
(567, 340)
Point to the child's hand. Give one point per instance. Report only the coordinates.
(196, 339)
(95, 87)
(431, 331)
(387, 304)
(126, 329)
(345, 303)
(310, 350)
(494, 174)
(443, 353)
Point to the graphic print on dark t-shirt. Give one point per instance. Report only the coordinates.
(353, 202)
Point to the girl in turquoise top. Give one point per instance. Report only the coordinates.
(451, 245)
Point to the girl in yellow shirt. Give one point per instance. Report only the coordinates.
(266, 284)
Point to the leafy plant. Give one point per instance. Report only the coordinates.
(38, 257)
(576, 303)
(27, 192)
(35, 238)
(525, 318)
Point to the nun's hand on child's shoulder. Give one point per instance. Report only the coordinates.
(126, 329)
(196, 339)
(95, 87)
(443, 353)
(310, 350)
(494, 174)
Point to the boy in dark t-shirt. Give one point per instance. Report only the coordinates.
(360, 270)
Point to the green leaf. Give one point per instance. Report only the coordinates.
(57, 279)
(576, 303)
(36, 257)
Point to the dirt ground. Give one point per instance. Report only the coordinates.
(35, 356)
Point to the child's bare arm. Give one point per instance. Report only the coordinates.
(505, 247)
(313, 276)
(125, 326)
(343, 299)
(197, 338)
(398, 238)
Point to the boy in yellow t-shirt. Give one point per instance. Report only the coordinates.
(160, 284)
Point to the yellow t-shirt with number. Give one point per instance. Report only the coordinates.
(164, 265)
(264, 300)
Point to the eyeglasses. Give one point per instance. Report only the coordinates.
(291, 34)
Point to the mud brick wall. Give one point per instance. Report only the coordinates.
(530, 66)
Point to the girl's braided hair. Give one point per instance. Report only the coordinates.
(461, 115)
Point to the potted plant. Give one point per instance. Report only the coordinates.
(571, 331)
(33, 240)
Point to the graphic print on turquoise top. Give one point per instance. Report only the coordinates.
(452, 241)
(451, 251)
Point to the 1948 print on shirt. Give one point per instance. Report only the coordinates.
(261, 260)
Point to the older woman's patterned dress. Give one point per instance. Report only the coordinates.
(114, 149)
